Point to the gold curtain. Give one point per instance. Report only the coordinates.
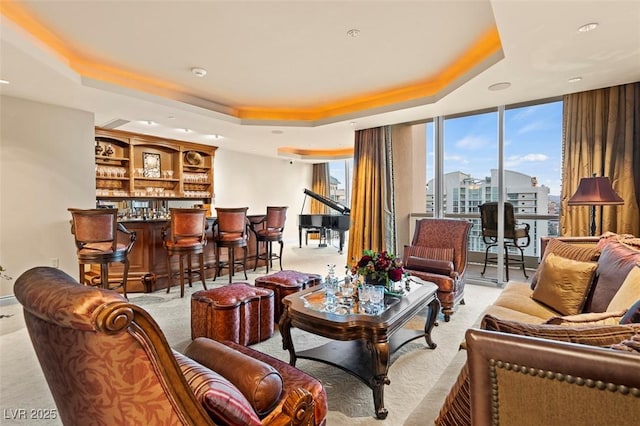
(602, 136)
(320, 185)
(370, 197)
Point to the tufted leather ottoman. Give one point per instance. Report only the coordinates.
(284, 283)
(238, 312)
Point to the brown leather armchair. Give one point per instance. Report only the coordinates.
(438, 253)
(107, 362)
(521, 380)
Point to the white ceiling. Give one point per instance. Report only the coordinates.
(297, 55)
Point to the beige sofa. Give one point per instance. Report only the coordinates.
(591, 319)
(597, 299)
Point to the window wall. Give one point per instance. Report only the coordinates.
(340, 180)
(467, 156)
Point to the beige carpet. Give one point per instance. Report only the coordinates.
(414, 371)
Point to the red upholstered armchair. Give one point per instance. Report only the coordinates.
(107, 362)
(438, 253)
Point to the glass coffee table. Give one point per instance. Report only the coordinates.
(361, 343)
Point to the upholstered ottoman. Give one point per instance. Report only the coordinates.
(284, 283)
(238, 312)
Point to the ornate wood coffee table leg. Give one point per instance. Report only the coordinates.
(432, 314)
(380, 366)
(285, 330)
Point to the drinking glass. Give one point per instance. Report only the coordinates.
(377, 298)
(364, 298)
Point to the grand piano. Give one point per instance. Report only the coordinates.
(324, 223)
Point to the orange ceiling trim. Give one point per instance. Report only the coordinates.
(19, 15)
(317, 153)
(485, 46)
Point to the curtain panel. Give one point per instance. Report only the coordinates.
(602, 136)
(320, 185)
(372, 215)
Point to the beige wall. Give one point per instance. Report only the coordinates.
(46, 166)
(409, 156)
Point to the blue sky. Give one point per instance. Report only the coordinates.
(533, 144)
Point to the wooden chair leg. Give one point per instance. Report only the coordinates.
(232, 263)
(169, 273)
(189, 268)
(181, 262)
(104, 275)
(125, 277)
(244, 262)
(81, 273)
(280, 255)
(201, 260)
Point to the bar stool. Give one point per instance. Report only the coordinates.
(270, 233)
(185, 237)
(96, 237)
(231, 232)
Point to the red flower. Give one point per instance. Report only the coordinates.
(395, 274)
(364, 261)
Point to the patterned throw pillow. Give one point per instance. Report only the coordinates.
(568, 251)
(222, 401)
(564, 284)
(593, 335)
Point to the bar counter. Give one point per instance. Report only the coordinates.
(148, 257)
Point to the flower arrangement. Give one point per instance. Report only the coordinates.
(379, 267)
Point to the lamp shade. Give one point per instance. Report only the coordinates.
(595, 191)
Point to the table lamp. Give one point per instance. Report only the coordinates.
(595, 191)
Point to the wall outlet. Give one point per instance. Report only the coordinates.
(55, 262)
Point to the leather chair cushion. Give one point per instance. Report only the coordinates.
(615, 263)
(442, 267)
(184, 242)
(272, 233)
(260, 383)
(219, 397)
(104, 248)
(231, 236)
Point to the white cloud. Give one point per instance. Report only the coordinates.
(533, 126)
(516, 160)
(457, 158)
(473, 142)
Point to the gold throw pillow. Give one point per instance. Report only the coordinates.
(564, 284)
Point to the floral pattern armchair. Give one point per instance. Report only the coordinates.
(438, 253)
(107, 362)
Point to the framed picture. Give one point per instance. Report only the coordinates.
(151, 165)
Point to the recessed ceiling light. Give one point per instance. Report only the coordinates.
(185, 130)
(353, 32)
(574, 79)
(352, 123)
(500, 86)
(214, 136)
(277, 132)
(199, 72)
(149, 122)
(5, 82)
(588, 27)
(171, 117)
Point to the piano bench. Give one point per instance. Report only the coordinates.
(284, 283)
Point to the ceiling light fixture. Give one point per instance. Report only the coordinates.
(353, 32)
(148, 122)
(4, 81)
(277, 132)
(215, 136)
(588, 27)
(199, 72)
(574, 79)
(499, 86)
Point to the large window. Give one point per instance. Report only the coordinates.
(340, 181)
(472, 164)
